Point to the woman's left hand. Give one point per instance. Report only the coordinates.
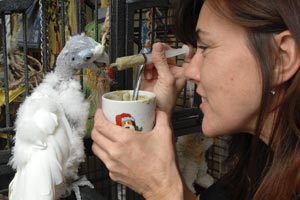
(145, 162)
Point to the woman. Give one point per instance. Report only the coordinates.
(247, 71)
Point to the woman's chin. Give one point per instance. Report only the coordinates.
(210, 131)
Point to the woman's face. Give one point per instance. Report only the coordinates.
(226, 74)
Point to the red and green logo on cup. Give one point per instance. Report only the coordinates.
(127, 121)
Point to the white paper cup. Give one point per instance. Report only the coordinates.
(137, 115)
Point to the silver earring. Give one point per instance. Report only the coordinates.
(273, 92)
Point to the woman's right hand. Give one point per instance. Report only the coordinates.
(164, 77)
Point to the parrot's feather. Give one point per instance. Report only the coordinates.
(46, 121)
(36, 180)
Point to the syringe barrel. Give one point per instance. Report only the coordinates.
(129, 61)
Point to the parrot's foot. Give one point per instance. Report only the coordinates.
(83, 181)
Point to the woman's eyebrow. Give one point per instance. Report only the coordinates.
(200, 33)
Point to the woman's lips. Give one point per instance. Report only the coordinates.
(203, 102)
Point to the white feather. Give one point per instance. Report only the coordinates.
(48, 147)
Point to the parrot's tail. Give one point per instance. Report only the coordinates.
(37, 179)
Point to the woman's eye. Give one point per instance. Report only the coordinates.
(202, 47)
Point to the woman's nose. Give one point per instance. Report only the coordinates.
(192, 70)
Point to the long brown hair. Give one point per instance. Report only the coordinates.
(261, 172)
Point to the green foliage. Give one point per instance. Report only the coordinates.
(90, 122)
(91, 32)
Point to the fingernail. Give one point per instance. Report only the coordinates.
(159, 47)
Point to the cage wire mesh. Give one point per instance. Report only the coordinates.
(156, 25)
(150, 24)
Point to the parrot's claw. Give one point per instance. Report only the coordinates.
(83, 181)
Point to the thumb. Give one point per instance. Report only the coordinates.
(159, 60)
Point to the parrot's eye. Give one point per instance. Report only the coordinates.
(73, 58)
(88, 58)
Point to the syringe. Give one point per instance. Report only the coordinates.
(139, 59)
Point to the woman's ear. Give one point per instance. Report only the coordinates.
(288, 61)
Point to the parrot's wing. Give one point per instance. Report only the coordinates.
(46, 121)
(37, 154)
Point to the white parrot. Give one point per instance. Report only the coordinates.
(50, 127)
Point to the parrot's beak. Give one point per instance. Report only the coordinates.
(102, 60)
(95, 58)
(101, 56)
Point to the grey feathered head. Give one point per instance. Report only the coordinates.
(80, 52)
